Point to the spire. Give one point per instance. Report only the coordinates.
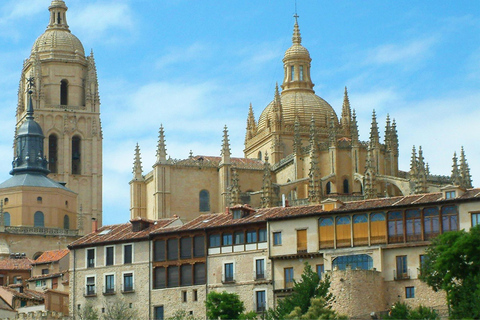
(297, 139)
(29, 138)
(394, 138)
(277, 110)
(465, 178)
(346, 113)
(314, 175)
(354, 128)
(388, 131)
(137, 165)
(456, 180)
(421, 185)
(58, 15)
(413, 162)
(161, 146)
(225, 143)
(374, 135)
(91, 86)
(251, 124)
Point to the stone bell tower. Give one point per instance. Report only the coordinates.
(67, 107)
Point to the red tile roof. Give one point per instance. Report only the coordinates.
(51, 256)
(26, 294)
(23, 263)
(45, 276)
(119, 233)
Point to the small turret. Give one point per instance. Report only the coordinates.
(388, 134)
(277, 110)
(456, 179)
(251, 125)
(161, 146)
(354, 129)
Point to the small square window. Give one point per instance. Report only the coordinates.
(277, 238)
(449, 194)
(409, 292)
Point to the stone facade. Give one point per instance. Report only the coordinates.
(138, 299)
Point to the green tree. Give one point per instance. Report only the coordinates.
(318, 310)
(119, 310)
(87, 312)
(223, 305)
(182, 315)
(452, 263)
(308, 287)
(401, 310)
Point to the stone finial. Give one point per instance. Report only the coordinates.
(137, 165)
(332, 131)
(234, 189)
(413, 162)
(251, 124)
(267, 185)
(161, 146)
(370, 177)
(394, 138)
(421, 185)
(388, 131)
(277, 110)
(297, 139)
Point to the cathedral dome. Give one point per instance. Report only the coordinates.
(303, 104)
(60, 40)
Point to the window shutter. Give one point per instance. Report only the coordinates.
(173, 276)
(186, 248)
(199, 269)
(186, 275)
(172, 252)
(159, 278)
(159, 254)
(199, 246)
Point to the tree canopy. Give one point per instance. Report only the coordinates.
(452, 263)
(223, 305)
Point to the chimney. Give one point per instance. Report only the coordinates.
(94, 225)
(227, 210)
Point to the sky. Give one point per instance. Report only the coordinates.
(195, 66)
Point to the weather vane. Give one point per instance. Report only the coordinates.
(30, 84)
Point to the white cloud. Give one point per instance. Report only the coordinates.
(401, 53)
(95, 20)
(194, 52)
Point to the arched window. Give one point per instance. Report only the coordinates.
(329, 187)
(52, 153)
(259, 155)
(39, 219)
(204, 201)
(39, 200)
(5, 201)
(355, 261)
(345, 186)
(6, 219)
(66, 222)
(64, 92)
(76, 155)
(301, 73)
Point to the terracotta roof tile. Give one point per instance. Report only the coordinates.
(23, 263)
(119, 233)
(26, 294)
(51, 256)
(45, 276)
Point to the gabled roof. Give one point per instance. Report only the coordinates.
(45, 276)
(23, 263)
(51, 256)
(119, 233)
(26, 294)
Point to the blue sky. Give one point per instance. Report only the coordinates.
(196, 65)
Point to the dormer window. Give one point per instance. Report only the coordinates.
(449, 194)
(237, 214)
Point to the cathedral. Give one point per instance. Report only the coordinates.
(298, 152)
(56, 186)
